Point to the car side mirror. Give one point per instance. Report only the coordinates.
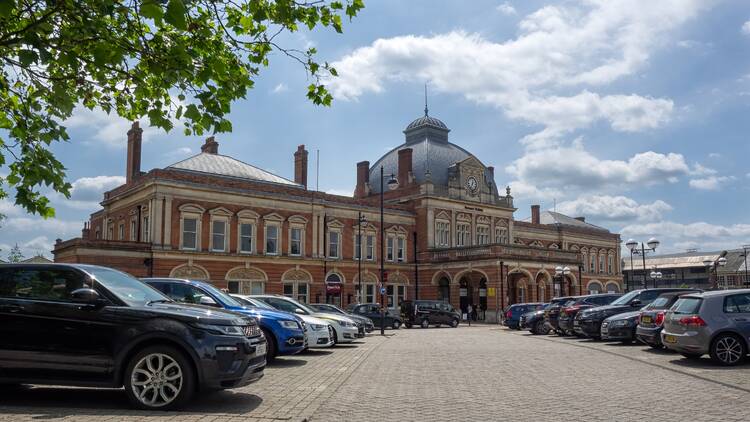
(86, 296)
(207, 301)
(299, 311)
(635, 303)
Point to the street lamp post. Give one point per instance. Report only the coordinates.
(656, 275)
(392, 184)
(560, 273)
(744, 255)
(713, 266)
(635, 250)
(360, 220)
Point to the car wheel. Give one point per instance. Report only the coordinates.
(560, 333)
(454, 322)
(425, 323)
(656, 346)
(396, 324)
(692, 355)
(272, 349)
(727, 350)
(540, 328)
(159, 378)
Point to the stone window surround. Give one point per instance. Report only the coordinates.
(252, 218)
(274, 220)
(447, 231)
(395, 233)
(367, 230)
(191, 211)
(221, 215)
(334, 226)
(297, 222)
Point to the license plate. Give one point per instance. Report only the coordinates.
(576, 323)
(260, 349)
(646, 319)
(670, 339)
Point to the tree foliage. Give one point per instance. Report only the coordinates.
(15, 254)
(163, 60)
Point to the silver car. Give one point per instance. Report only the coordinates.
(717, 323)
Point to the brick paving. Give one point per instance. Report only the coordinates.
(470, 373)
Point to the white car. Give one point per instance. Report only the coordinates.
(318, 333)
(344, 329)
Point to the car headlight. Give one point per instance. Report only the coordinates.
(318, 327)
(227, 330)
(621, 323)
(292, 325)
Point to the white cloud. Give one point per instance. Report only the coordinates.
(573, 169)
(179, 153)
(714, 155)
(282, 87)
(544, 76)
(746, 28)
(506, 9)
(614, 208)
(87, 192)
(9, 209)
(59, 228)
(710, 182)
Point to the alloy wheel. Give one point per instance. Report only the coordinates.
(156, 380)
(728, 350)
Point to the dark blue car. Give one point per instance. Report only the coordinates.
(512, 314)
(283, 330)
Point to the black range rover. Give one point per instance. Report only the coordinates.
(85, 325)
(429, 312)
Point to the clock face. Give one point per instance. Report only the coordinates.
(471, 184)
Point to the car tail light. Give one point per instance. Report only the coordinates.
(659, 319)
(508, 314)
(693, 321)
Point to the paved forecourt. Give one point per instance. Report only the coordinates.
(470, 373)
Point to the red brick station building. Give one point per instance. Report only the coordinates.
(449, 233)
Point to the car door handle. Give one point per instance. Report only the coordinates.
(11, 308)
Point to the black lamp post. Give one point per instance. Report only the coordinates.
(360, 220)
(635, 250)
(392, 184)
(744, 255)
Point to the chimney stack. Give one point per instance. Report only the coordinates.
(404, 166)
(85, 231)
(363, 179)
(210, 146)
(300, 166)
(535, 214)
(133, 166)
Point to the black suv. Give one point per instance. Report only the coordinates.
(85, 325)
(429, 312)
(570, 310)
(588, 322)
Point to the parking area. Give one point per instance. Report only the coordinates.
(481, 372)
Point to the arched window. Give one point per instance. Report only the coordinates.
(444, 290)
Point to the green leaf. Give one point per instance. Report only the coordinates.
(176, 14)
(6, 8)
(27, 57)
(152, 10)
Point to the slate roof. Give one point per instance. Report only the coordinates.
(223, 165)
(551, 217)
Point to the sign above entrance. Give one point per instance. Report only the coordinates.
(333, 288)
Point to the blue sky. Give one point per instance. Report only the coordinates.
(632, 113)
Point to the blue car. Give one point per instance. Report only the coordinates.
(512, 314)
(283, 331)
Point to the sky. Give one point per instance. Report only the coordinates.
(631, 113)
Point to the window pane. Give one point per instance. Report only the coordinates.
(218, 235)
(370, 247)
(233, 286)
(188, 240)
(257, 288)
(246, 240)
(296, 243)
(189, 235)
(289, 289)
(189, 224)
(333, 244)
(271, 239)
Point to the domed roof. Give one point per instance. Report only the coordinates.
(431, 154)
(426, 121)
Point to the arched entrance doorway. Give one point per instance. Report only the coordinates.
(472, 288)
(518, 281)
(444, 290)
(543, 290)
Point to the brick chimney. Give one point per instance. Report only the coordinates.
(535, 214)
(133, 166)
(85, 232)
(210, 146)
(363, 179)
(404, 166)
(300, 166)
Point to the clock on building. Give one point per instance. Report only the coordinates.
(471, 184)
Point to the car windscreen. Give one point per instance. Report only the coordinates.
(687, 305)
(224, 297)
(623, 300)
(127, 288)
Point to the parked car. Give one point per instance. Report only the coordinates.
(512, 313)
(429, 312)
(534, 321)
(651, 321)
(552, 313)
(372, 311)
(620, 327)
(715, 323)
(282, 330)
(344, 329)
(569, 311)
(86, 325)
(365, 324)
(318, 333)
(589, 321)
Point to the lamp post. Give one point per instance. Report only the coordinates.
(713, 266)
(360, 220)
(642, 251)
(392, 184)
(560, 273)
(744, 255)
(656, 275)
